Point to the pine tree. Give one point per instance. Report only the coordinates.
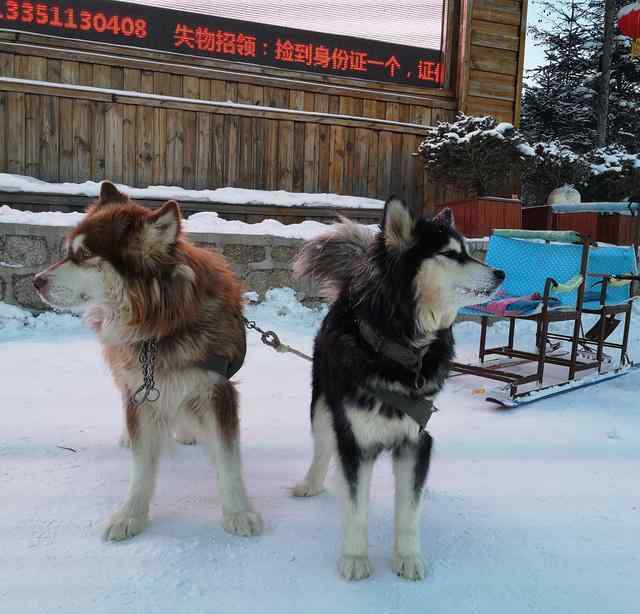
(562, 98)
(624, 94)
(557, 104)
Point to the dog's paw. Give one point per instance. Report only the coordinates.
(354, 567)
(123, 526)
(245, 524)
(304, 489)
(125, 440)
(411, 567)
(186, 440)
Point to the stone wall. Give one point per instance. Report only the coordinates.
(262, 262)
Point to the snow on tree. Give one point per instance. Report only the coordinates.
(614, 174)
(475, 154)
(552, 165)
(562, 98)
(481, 156)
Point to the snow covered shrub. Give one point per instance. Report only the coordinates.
(551, 166)
(614, 174)
(475, 154)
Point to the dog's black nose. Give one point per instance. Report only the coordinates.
(39, 282)
(500, 275)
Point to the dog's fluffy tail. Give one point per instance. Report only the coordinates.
(332, 259)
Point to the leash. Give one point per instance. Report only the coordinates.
(270, 338)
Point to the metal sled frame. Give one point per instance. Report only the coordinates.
(631, 209)
(544, 338)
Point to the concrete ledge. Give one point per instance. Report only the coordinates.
(261, 261)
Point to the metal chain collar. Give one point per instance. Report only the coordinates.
(147, 358)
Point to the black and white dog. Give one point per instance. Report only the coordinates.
(381, 356)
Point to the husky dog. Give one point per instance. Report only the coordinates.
(385, 345)
(154, 298)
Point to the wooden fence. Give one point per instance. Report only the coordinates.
(70, 133)
(142, 122)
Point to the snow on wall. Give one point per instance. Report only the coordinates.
(204, 222)
(230, 196)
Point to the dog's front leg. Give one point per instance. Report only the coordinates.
(125, 440)
(132, 518)
(410, 466)
(354, 562)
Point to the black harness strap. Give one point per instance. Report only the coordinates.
(223, 366)
(412, 359)
(418, 408)
(407, 357)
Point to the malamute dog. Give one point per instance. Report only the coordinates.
(169, 317)
(381, 356)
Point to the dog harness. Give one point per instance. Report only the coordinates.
(212, 362)
(420, 409)
(223, 366)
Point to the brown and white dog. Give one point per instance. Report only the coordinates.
(136, 278)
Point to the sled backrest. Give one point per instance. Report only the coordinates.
(528, 262)
(529, 258)
(611, 260)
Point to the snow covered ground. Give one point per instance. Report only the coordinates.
(531, 510)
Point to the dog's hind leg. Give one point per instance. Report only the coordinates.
(221, 436)
(323, 446)
(183, 434)
(124, 441)
(410, 466)
(146, 442)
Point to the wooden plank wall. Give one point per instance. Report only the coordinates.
(72, 134)
(64, 135)
(493, 58)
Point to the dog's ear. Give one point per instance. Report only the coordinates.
(397, 224)
(165, 223)
(446, 217)
(110, 195)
